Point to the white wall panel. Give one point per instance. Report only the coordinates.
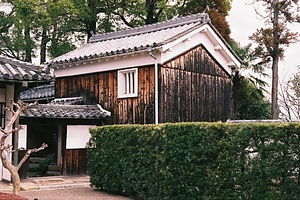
(22, 140)
(77, 136)
(10, 89)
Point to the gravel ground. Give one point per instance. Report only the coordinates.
(72, 193)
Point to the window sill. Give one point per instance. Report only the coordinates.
(127, 96)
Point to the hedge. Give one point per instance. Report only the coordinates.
(197, 160)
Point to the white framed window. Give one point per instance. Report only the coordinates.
(128, 83)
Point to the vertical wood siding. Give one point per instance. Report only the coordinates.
(194, 88)
(75, 162)
(102, 88)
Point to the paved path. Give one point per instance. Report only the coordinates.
(74, 193)
(59, 187)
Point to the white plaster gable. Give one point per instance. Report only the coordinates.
(205, 36)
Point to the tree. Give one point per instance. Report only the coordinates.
(252, 64)
(6, 149)
(113, 15)
(249, 101)
(116, 15)
(61, 27)
(217, 9)
(33, 26)
(289, 98)
(53, 27)
(272, 39)
(11, 40)
(18, 32)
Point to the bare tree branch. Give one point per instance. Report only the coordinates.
(12, 131)
(289, 99)
(19, 149)
(4, 148)
(42, 147)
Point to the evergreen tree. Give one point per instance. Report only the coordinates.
(272, 39)
(249, 100)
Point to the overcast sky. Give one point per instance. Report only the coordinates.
(244, 22)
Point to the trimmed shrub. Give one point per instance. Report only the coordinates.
(197, 160)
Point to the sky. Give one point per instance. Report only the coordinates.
(243, 23)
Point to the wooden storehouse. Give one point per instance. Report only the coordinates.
(174, 71)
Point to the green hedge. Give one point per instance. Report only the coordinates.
(197, 160)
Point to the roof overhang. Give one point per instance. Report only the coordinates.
(223, 47)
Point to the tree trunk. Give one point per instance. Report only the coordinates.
(236, 90)
(13, 171)
(43, 46)
(275, 57)
(90, 28)
(150, 5)
(16, 181)
(91, 23)
(275, 109)
(28, 43)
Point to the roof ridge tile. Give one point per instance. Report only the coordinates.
(199, 17)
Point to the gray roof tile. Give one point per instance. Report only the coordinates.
(38, 93)
(12, 70)
(66, 112)
(67, 101)
(177, 22)
(133, 40)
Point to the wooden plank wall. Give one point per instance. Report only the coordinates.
(75, 162)
(194, 88)
(102, 88)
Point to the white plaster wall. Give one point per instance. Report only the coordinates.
(59, 142)
(205, 36)
(9, 99)
(2, 99)
(77, 136)
(106, 64)
(2, 95)
(22, 139)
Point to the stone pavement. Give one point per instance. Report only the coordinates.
(47, 183)
(59, 187)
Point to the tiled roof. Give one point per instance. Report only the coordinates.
(66, 112)
(67, 101)
(38, 93)
(12, 70)
(133, 40)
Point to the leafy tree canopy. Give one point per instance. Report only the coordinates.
(250, 102)
(54, 26)
(249, 91)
